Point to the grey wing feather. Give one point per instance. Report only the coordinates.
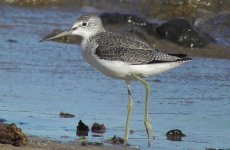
(116, 47)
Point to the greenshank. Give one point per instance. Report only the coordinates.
(122, 57)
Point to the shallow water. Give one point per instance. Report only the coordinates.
(39, 80)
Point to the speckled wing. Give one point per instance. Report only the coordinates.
(115, 47)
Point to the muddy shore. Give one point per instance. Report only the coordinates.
(35, 143)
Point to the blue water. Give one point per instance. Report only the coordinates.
(39, 80)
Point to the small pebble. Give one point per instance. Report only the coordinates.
(66, 115)
(116, 140)
(175, 135)
(82, 129)
(98, 128)
(12, 41)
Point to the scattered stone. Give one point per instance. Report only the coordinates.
(130, 19)
(118, 18)
(95, 143)
(64, 137)
(175, 135)
(157, 81)
(131, 131)
(66, 115)
(97, 135)
(115, 140)
(82, 129)
(66, 39)
(10, 134)
(12, 41)
(2, 120)
(22, 123)
(86, 143)
(180, 31)
(138, 101)
(216, 149)
(98, 128)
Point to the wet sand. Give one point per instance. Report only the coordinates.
(43, 144)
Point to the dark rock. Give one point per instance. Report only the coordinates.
(131, 131)
(218, 26)
(82, 129)
(157, 81)
(175, 135)
(10, 134)
(111, 18)
(95, 143)
(130, 19)
(97, 135)
(150, 28)
(98, 128)
(129, 25)
(92, 144)
(12, 41)
(64, 137)
(66, 39)
(180, 31)
(2, 120)
(217, 148)
(86, 143)
(66, 115)
(115, 140)
(22, 123)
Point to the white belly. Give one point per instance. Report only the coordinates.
(121, 70)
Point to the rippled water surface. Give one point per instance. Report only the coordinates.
(39, 80)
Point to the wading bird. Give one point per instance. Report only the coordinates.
(122, 57)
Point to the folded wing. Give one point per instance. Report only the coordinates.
(115, 47)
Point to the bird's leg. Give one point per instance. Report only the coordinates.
(147, 122)
(130, 107)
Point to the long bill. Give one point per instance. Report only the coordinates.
(65, 33)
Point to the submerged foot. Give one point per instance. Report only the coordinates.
(149, 130)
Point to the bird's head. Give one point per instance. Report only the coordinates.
(86, 26)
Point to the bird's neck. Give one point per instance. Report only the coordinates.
(87, 40)
(91, 34)
(87, 36)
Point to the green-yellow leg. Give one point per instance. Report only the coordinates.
(147, 122)
(130, 107)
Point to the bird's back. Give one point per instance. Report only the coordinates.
(116, 47)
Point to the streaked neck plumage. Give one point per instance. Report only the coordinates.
(87, 37)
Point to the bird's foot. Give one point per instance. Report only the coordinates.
(149, 130)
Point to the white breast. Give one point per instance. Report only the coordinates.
(122, 70)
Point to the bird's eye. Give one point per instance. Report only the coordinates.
(84, 24)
